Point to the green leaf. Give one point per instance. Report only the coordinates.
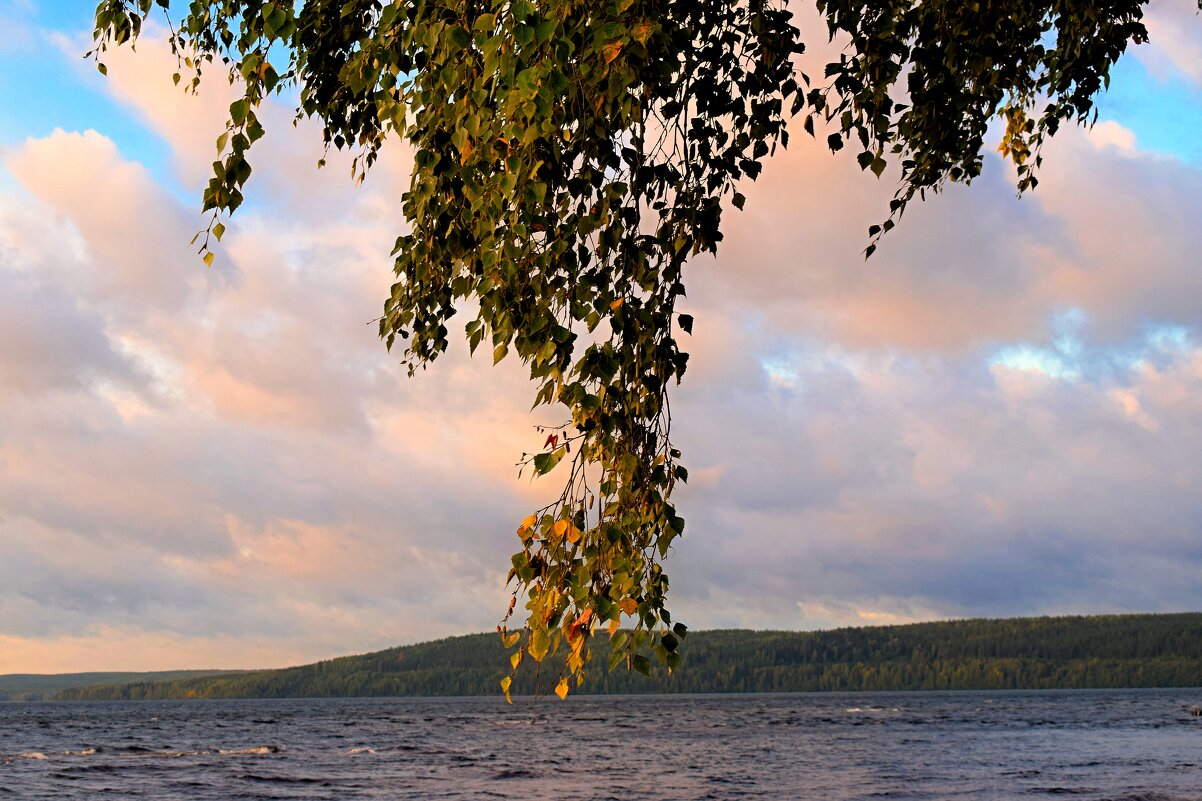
(238, 111)
(545, 462)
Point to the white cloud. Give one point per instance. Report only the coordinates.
(1173, 29)
(224, 468)
(1110, 134)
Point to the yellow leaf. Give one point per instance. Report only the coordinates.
(208, 259)
(617, 304)
(561, 689)
(629, 605)
(561, 528)
(505, 683)
(613, 627)
(515, 659)
(540, 642)
(610, 51)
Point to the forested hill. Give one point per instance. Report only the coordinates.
(1163, 650)
(41, 686)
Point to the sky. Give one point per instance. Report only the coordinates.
(998, 414)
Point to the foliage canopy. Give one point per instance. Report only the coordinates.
(572, 155)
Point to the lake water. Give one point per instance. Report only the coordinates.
(1131, 745)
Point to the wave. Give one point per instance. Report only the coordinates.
(75, 771)
(362, 750)
(38, 755)
(1063, 790)
(254, 749)
(141, 751)
(272, 779)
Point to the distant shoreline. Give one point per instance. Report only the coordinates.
(618, 696)
(1048, 653)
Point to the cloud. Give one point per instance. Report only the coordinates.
(1110, 134)
(116, 647)
(285, 160)
(134, 234)
(997, 414)
(1108, 231)
(224, 453)
(966, 489)
(141, 80)
(964, 424)
(1173, 30)
(52, 343)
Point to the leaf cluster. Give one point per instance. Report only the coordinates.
(922, 82)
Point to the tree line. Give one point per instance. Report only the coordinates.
(1152, 650)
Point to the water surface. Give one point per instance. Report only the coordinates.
(1131, 745)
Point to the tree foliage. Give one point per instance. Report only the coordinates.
(571, 156)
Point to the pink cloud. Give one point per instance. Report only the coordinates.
(131, 229)
(224, 467)
(1173, 30)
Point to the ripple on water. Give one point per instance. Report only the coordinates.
(253, 750)
(836, 747)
